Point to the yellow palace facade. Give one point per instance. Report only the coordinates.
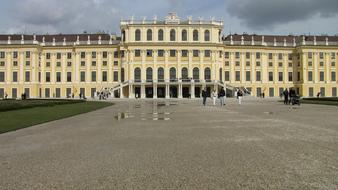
(170, 58)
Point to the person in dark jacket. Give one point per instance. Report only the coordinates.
(204, 96)
(222, 96)
(286, 96)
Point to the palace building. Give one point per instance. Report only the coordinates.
(170, 58)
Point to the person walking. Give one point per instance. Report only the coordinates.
(286, 96)
(204, 96)
(239, 96)
(222, 96)
(214, 96)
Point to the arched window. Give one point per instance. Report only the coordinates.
(220, 74)
(184, 73)
(172, 35)
(137, 74)
(196, 74)
(123, 35)
(172, 74)
(138, 35)
(207, 35)
(184, 35)
(149, 35)
(160, 35)
(207, 74)
(149, 74)
(195, 35)
(160, 74)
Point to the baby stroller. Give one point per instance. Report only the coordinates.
(295, 100)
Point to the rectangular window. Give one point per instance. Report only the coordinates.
(160, 53)
(93, 55)
(15, 63)
(2, 64)
(258, 76)
(15, 54)
(2, 76)
(321, 55)
(271, 92)
(39, 77)
(58, 55)
(237, 55)
(321, 64)
(149, 53)
(68, 92)
(28, 54)
(47, 55)
(47, 76)
(247, 76)
(116, 63)
(258, 55)
(290, 56)
(28, 63)
(27, 76)
(83, 63)
(309, 55)
(321, 76)
(280, 64)
(309, 75)
(258, 64)
(334, 91)
(83, 55)
(322, 91)
(93, 63)
(298, 76)
(172, 53)
(104, 63)
(93, 76)
(47, 64)
(290, 64)
(238, 76)
(104, 76)
(333, 64)
(104, 55)
(247, 64)
(2, 93)
(333, 76)
(280, 76)
(69, 64)
(310, 91)
(58, 93)
(290, 76)
(270, 76)
(237, 63)
(195, 53)
(270, 64)
(15, 76)
(82, 76)
(69, 76)
(116, 76)
(184, 53)
(309, 64)
(14, 93)
(69, 55)
(280, 56)
(227, 64)
(58, 64)
(47, 93)
(227, 76)
(226, 55)
(137, 53)
(58, 76)
(247, 55)
(333, 55)
(116, 54)
(207, 53)
(259, 92)
(2, 55)
(270, 55)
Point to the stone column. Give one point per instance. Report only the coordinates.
(192, 89)
(131, 91)
(167, 89)
(155, 90)
(143, 91)
(180, 89)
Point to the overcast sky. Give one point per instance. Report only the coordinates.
(250, 16)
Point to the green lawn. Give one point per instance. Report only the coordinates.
(21, 118)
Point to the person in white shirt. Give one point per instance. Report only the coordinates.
(214, 96)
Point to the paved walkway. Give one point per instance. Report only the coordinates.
(261, 144)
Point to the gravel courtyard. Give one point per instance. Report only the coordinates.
(162, 144)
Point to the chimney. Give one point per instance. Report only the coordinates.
(9, 40)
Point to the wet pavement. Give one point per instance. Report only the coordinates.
(177, 144)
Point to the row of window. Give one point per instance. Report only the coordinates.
(58, 64)
(321, 55)
(173, 53)
(15, 54)
(160, 35)
(259, 54)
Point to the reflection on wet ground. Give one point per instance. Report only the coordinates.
(154, 114)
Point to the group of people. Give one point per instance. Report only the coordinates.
(221, 95)
(289, 95)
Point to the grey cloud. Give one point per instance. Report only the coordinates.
(259, 14)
